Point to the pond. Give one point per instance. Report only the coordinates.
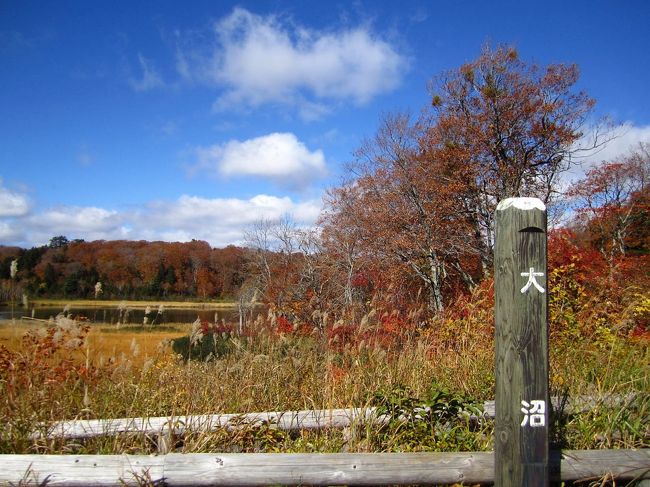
(125, 315)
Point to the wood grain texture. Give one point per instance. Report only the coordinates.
(216, 469)
(521, 329)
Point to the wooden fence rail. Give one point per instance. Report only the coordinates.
(215, 469)
(284, 420)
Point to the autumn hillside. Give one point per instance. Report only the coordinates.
(125, 269)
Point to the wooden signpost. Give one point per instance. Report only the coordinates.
(522, 402)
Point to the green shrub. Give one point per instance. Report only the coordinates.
(212, 345)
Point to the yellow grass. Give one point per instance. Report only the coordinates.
(138, 346)
(11, 333)
(105, 340)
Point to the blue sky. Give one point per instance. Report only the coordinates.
(180, 120)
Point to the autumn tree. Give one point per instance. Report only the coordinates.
(612, 197)
(341, 241)
(229, 265)
(403, 205)
(513, 127)
(423, 192)
(286, 269)
(275, 261)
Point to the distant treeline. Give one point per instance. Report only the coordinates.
(123, 269)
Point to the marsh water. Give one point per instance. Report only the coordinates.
(124, 315)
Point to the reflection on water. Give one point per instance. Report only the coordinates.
(125, 315)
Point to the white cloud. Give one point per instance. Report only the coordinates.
(12, 203)
(10, 233)
(150, 78)
(618, 143)
(626, 137)
(89, 223)
(219, 221)
(279, 156)
(260, 60)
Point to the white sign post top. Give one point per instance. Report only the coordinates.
(522, 204)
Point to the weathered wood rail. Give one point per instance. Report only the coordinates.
(251, 469)
(283, 420)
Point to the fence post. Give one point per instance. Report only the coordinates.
(522, 402)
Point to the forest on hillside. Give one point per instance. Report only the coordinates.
(408, 237)
(124, 269)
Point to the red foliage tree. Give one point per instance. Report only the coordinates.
(424, 192)
(612, 203)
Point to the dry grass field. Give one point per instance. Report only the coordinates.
(105, 341)
(68, 370)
